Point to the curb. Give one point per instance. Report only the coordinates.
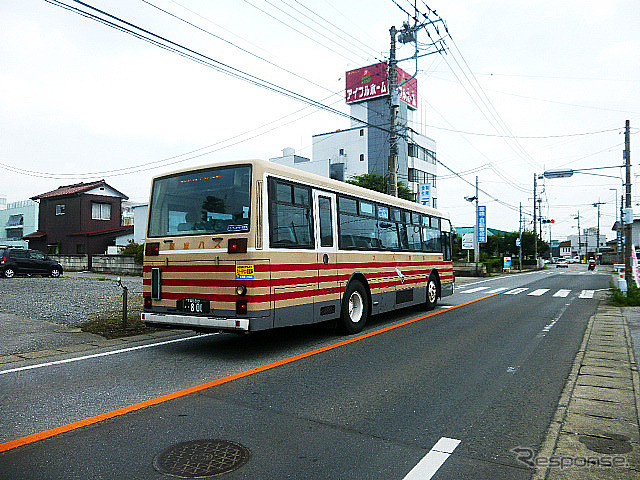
(595, 432)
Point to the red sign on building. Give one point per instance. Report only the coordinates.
(373, 81)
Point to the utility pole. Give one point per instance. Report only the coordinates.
(520, 236)
(617, 224)
(598, 231)
(392, 170)
(535, 225)
(620, 233)
(628, 228)
(540, 217)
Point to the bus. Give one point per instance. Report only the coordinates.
(252, 245)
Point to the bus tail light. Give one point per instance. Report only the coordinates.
(237, 245)
(152, 249)
(147, 302)
(241, 307)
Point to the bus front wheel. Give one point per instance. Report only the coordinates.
(355, 308)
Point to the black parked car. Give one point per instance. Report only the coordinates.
(22, 261)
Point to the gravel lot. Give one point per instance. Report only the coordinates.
(72, 299)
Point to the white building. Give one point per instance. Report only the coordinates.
(587, 242)
(18, 219)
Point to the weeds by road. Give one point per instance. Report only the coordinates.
(109, 325)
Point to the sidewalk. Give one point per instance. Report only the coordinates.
(595, 433)
(25, 338)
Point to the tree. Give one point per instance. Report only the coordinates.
(378, 183)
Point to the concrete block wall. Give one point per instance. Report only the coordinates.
(119, 264)
(72, 263)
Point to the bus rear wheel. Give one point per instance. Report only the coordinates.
(432, 293)
(355, 309)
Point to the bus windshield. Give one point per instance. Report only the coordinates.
(202, 202)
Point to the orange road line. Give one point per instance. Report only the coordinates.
(36, 437)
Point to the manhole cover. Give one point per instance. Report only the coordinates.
(608, 444)
(202, 458)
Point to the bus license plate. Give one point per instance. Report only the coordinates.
(195, 305)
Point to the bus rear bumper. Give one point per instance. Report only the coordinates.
(195, 323)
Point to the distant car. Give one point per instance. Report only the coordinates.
(562, 264)
(574, 260)
(21, 261)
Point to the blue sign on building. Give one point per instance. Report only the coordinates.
(482, 224)
(425, 194)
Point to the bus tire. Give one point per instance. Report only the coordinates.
(355, 308)
(432, 293)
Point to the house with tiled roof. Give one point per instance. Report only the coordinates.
(84, 218)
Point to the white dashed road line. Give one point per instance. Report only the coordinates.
(515, 291)
(538, 292)
(497, 290)
(562, 293)
(474, 290)
(432, 461)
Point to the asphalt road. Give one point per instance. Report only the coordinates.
(487, 374)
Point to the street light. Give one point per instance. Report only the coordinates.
(476, 243)
(569, 172)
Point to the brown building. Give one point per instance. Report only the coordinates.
(84, 218)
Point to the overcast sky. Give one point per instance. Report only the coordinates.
(80, 101)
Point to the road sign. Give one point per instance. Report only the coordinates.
(467, 241)
(517, 242)
(482, 224)
(507, 263)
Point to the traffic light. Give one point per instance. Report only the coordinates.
(548, 221)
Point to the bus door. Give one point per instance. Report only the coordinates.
(327, 302)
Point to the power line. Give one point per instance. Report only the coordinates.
(234, 45)
(163, 162)
(203, 59)
(298, 31)
(335, 28)
(525, 137)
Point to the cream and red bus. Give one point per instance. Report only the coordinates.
(252, 245)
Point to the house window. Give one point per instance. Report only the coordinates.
(362, 132)
(362, 157)
(101, 211)
(342, 151)
(14, 233)
(60, 209)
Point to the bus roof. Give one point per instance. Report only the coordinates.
(330, 184)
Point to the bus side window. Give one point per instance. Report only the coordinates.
(290, 219)
(326, 229)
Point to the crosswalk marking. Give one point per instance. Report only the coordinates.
(562, 293)
(515, 291)
(538, 292)
(496, 290)
(474, 290)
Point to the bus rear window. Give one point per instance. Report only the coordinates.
(211, 201)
